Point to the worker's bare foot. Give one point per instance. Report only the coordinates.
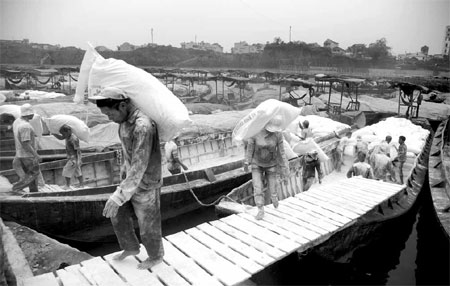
(149, 263)
(125, 253)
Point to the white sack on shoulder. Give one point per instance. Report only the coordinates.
(79, 128)
(145, 91)
(82, 83)
(255, 121)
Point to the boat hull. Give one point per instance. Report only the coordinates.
(79, 217)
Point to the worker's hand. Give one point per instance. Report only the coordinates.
(111, 208)
(185, 168)
(246, 167)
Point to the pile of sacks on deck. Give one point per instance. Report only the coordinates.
(374, 134)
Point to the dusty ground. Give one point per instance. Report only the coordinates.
(43, 253)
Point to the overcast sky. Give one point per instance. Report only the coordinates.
(406, 24)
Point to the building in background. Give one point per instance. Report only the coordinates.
(330, 44)
(202, 46)
(127, 47)
(446, 45)
(244, 48)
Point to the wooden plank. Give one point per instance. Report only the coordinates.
(187, 267)
(127, 269)
(377, 185)
(298, 219)
(76, 270)
(248, 239)
(101, 272)
(333, 198)
(338, 218)
(255, 230)
(224, 270)
(373, 190)
(235, 244)
(275, 228)
(70, 279)
(165, 273)
(306, 216)
(351, 197)
(47, 279)
(238, 259)
(333, 205)
(319, 218)
(299, 229)
(367, 189)
(362, 194)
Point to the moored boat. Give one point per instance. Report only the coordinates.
(215, 166)
(439, 176)
(341, 245)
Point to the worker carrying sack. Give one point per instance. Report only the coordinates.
(79, 128)
(256, 120)
(145, 91)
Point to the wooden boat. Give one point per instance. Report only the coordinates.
(439, 176)
(341, 245)
(215, 167)
(6, 157)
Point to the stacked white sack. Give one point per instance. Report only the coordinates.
(395, 127)
(79, 128)
(320, 126)
(144, 90)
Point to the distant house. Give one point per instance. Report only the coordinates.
(47, 47)
(357, 50)
(419, 56)
(203, 46)
(330, 44)
(337, 51)
(127, 47)
(102, 49)
(446, 44)
(314, 45)
(244, 48)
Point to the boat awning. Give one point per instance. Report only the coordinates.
(44, 72)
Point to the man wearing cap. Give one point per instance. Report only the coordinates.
(26, 157)
(265, 154)
(139, 192)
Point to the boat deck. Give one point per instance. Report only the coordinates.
(230, 250)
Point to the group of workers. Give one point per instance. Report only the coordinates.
(378, 162)
(141, 176)
(26, 160)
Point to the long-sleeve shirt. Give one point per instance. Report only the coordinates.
(267, 150)
(142, 156)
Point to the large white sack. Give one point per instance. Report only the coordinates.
(288, 151)
(255, 121)
(309, 145)
(144, 90)
(12, 109)
(79, 128)
(83, 77)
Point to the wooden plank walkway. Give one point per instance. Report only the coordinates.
(230, 250)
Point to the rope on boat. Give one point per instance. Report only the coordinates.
(74, 79)
(14, 81)
(198, 200)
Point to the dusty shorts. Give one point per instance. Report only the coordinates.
(72, 168)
